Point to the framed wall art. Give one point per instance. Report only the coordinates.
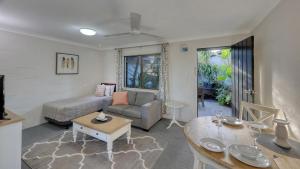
(67, 64)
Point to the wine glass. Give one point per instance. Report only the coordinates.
(254, 133)
(219, 116)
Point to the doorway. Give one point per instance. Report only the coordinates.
(214, 81)
(225, 78)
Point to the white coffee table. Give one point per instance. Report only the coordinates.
(174, 105)
(107, 132)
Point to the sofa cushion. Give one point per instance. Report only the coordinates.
(100, 90)
(117, 108)
(112, 89)
(131, 97)
(143, 98)
(133, 111)
(107, 90)
(120, 98)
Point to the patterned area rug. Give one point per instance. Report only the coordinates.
(89, 153)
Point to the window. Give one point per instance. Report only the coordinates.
(142, 71)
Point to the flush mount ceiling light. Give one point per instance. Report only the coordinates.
(87, 31)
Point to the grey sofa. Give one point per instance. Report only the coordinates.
(144, 109)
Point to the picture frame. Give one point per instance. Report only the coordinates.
(67, 64)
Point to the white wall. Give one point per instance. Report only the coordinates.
(277, 55)
(109, 66)
(182, 70)
(29, 66)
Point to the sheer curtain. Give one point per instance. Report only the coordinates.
(164, 76)
(120, 69)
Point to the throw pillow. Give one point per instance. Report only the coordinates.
(107, 90)
(120, 98)
(112, 89)
(100, 89)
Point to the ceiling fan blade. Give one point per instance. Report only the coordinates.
(117, 34)
(149, 34)
(135, 21)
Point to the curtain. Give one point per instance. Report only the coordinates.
(120, 70)
(164, 76)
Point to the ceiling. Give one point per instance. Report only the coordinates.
(174, 20)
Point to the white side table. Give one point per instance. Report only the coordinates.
(174, 105)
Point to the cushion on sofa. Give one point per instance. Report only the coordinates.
(100, 90)
(117, 108)
(131, 97)
(112, 89)
(120, 98)
(133, 111)
(143, 98)
(107, 90)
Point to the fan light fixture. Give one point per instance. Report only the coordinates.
(87, 31)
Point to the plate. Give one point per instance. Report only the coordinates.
(212, 145)
(258, 125)
(249, 151)
(232, 121)
(261, 161)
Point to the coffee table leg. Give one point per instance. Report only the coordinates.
(128, 135)
(109, 148)
(74, 134)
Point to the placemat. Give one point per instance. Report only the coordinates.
(95, 121)
(266, 140)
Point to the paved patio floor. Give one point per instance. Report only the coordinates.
(211, 107)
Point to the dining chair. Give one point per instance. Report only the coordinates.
(258, 113)
(201, 94)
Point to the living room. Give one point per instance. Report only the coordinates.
(136, 61)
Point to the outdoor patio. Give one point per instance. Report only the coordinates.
(211, 107)
(214, 81)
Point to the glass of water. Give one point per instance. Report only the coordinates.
(219, 116)
(254, 133)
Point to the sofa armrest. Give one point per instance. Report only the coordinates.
(151, 113)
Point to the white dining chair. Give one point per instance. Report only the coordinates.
(258, 113)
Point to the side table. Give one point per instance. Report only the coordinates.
(174, 105)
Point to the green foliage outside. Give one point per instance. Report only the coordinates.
(150, 74)
(224, 95)
(216, 76)
(209, 73)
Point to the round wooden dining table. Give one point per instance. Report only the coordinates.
(204, 127)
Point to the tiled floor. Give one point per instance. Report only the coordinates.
(211, 107)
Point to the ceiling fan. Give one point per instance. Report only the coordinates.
(135, 28)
